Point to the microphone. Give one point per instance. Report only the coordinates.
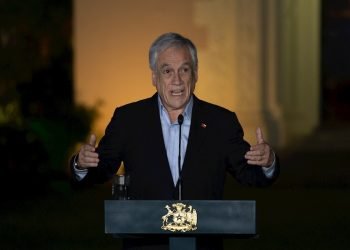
(180, 120)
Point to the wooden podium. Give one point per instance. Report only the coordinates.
(180, 221)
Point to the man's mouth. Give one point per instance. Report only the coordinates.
(176, 92)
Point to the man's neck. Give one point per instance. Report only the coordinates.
(174, 114)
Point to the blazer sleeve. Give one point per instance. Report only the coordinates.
(110, 154)
(237, 166)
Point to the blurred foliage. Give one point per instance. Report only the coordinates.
(32, 32)
(39, 121)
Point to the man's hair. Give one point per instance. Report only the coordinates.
(168, 40)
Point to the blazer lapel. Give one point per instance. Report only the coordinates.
(197, 134)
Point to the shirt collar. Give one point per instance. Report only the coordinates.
(187, 113)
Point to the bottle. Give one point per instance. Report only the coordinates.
(120, 187)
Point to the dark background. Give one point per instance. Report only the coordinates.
(40, 125)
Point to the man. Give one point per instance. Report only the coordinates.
(145, 136)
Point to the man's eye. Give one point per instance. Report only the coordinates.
(185, 70)
(166, 71)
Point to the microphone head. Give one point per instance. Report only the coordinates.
(180, 119)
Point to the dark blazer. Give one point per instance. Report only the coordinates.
(215, 145)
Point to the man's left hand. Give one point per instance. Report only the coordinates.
(261, 153)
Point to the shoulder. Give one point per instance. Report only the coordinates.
(220, 118)
(213, 109)
(128, 116)
(140, 107)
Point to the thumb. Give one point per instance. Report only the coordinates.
(259, 136)
(92, 140)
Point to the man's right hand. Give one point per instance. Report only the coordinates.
(88, 158)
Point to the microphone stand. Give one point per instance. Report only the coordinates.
(180, 120)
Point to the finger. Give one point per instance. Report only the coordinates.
(256, 147)
(87, 148)
(87, 160)
(89, 165)
(92, 140)
(252, 162)
(262, 163)
(89, 154)
(254, 157)
(255, 153)
(259, 136)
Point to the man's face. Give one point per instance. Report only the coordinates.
(175, 78)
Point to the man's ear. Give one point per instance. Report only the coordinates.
(154, 78)
(195, 76)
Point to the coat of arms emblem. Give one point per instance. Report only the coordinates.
(180, 218)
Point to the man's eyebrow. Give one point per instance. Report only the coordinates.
(168, 65)
(164, 65)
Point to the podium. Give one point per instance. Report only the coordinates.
(181, 221)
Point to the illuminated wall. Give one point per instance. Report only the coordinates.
(244, 47)
(112, 39)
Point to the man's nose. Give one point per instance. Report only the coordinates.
(177, 78)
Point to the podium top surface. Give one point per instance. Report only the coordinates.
(189, 217)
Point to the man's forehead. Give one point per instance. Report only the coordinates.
(174, 55)
(174, 51)
(165, 64)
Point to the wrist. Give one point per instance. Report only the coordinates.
(76, 162)
(272, 159)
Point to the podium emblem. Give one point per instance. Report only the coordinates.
(180, 218)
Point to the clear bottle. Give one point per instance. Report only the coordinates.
(120, 187)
